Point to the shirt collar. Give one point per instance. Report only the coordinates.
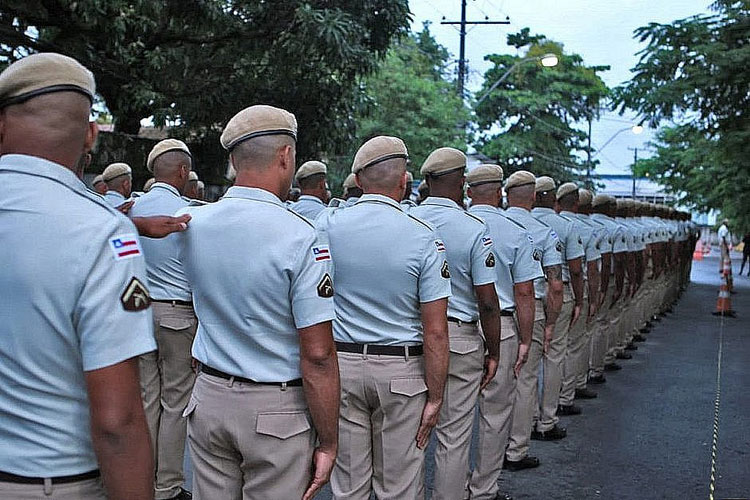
(40, 167)
(168, 187)
(310, 198)
(256, 194)
(482, 207)
(115, 194)
(569, 213)
(543, 210)
(441, 202)
(517, 210)
(379, 198)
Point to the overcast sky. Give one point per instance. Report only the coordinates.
(599, 30)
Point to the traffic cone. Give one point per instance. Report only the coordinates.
(724, 303)
(698, 253)
(728, 273)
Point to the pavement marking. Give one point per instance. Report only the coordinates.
(717, 401)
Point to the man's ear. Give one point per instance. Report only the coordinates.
(469, 193)
(357, 181)
(91, 134)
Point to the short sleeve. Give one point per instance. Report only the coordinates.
(552, 249)
(434, 275)
(619, 244)
(483, 260)
(592, 253)
(573, 242)
(112, 314)
(524, 267)
(312, 288)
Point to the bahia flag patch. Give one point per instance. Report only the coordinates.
(125, 246)
(440, 246)
(487, 242)
(321, 253)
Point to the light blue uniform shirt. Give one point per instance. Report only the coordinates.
(257, 271)
(547, 246)
(66, 261)
(469, 249)
(166, 278)
(514, 250)
(568, 233)
(308, 206)
(114, 198)
(588, 236)
(615, 233)
(386, 263)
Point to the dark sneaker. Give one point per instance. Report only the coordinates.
(613, 367)
(621, 355)
(631, 347)
(597, 379)
(554, 434)
(183, 495)
(526, 462)
(568, 410)
(639, 338)
(585, 394)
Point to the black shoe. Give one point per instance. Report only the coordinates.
(183, 495)
(631, 347)
(554, 434)
(526, 462)
(503, 496)
(644, 331)
(568, 410)
(639, 338)
(585, 394)
(597, 379)
(613, 367)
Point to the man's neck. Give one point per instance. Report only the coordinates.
(180, 187)
(394, 194)
(521, 206)
(270, 184)
(475, 202)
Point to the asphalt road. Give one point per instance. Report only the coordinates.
(649, 433)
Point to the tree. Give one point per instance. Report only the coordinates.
(694, 74)
(539, 111)
(194, 63)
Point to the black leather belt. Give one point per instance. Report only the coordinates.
(6, 477)
(383, 350)
(506, 313)
(218, 373)
(460, 321)
(174, 302)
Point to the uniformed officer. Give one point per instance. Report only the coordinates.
(472, 262)
(392, 284)
(520, 189)
(268, 387)
(75, 307)
(577, 355)
(632, 279)
(406, 201)
(352, 192)
(516, 271)
(567, 231)
(190, 190)
(201, 195)
(423, 191)
(99, 185)
(119, 180)
(166, 374)
(311, 178)
(147, 185)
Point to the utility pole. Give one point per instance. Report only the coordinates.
(462, 45)
(635, 162)
(588, 158)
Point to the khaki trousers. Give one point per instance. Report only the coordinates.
(166, 381)
(495, 414)
(453, 431)
(576, 352)
(553, 366)
(90, 489)
(248, 441)
(382, 398)
(600, 342)
(527, 393)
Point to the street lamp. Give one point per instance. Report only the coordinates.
(547, 60)
(636, 129)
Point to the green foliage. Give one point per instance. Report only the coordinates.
(192, 64)
(540, 111)
(694, 74)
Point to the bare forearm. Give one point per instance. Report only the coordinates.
(489, 316)
(322, 393)
(525, 306)
(554, 293)
(436, 354)
(605, 274)
(593, 281)
(576, 280)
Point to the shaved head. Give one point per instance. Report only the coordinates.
(384, 176)
(259, 152)
(521, 195)
(167, 163)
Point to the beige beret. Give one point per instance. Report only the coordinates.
(584, 197)
(545, 183)
(311, 168)
(257, 121)
(116, 170)
(148, 184)
(164, 146)
(422, 186)
(192, 176)
(443, 160)
(97, 180)
(603, 199)
(484, 174)
(378, 149)
(349, 182)
(624, 203)
(520, 178)
(201, 185)
(566, 189)
(409, 177)
(43, 73)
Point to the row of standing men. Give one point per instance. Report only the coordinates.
(436, 309)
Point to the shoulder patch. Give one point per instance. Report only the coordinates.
(487, 242)
(125, 246)
(580, 241)
(440, 246)
(325, 287)
(321, 253)
(135, 297)
(444, 271)
(537, 255)
(559, 246)
(490, 260)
